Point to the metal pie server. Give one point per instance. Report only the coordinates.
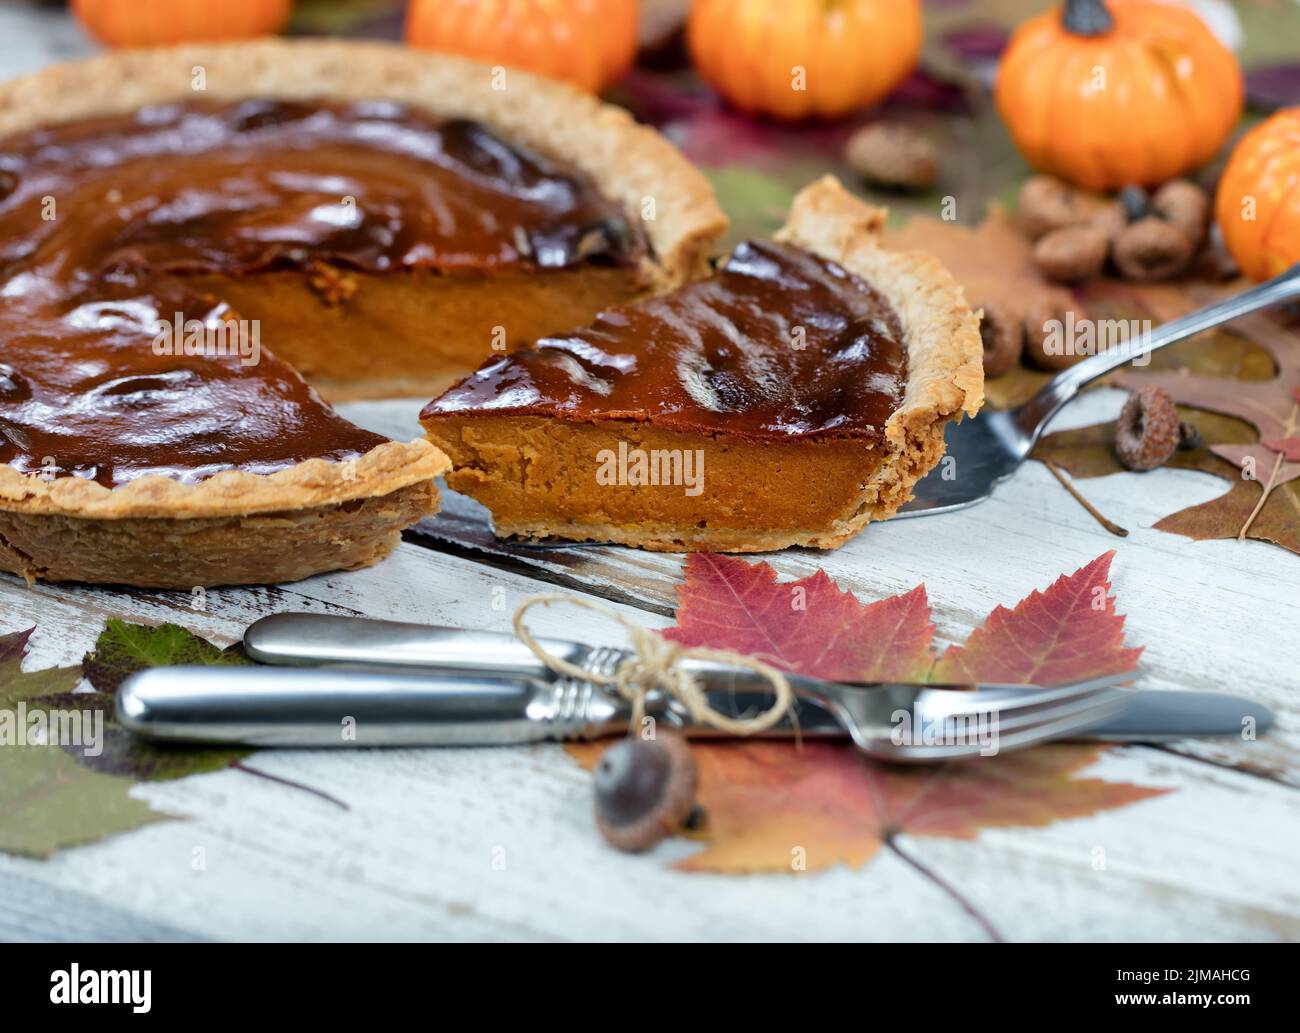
(990, 447)
(374, 683)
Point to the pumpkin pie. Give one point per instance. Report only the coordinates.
(199, 245)
(788, 399)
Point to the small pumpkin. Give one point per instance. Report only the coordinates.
(143, 23)
(796, 59)
(1105, 93)
(1258, 205)
(589, 43)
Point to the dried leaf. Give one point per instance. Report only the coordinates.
(773, 807)
(1068, 633)
(810, 626)
(1288, 448)
(48, 801)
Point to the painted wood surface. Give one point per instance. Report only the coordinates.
(418, 851)
(499, 843)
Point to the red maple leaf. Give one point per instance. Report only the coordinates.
(774, 807)
(1068, 633)
(811, 626)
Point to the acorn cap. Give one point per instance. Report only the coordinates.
(645, 790)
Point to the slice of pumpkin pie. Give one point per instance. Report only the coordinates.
(790, 398)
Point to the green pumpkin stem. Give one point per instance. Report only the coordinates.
(1087, 18)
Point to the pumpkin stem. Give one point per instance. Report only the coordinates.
(1087, 18)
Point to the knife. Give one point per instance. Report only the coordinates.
(340, 681)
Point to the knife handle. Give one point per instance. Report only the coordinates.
(288, 706)
(308, 638)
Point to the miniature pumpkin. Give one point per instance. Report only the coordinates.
(1259, 197)
(588, 42)
(143, 23)
(1105, 93)
(798, 58)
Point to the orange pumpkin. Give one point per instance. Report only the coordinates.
(799, 58)
(588, 42)
(1259, 197)
(1105, 93)
(142, 23)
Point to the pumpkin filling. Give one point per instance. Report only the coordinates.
(656, 424)
(149, 263)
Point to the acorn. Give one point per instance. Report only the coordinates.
(1046, 204)
(1152, 249)
(1183, 204)
(1003, 335)
(645, 790)
(1147, 431)
(1039, 316)
(894, 156)
(1072, 253)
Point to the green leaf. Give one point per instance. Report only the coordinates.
(123, 649)
(48, 801)
(17, 684)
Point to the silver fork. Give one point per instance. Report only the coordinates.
(990, 447)
(389, 684)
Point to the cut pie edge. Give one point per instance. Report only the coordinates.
(945, 381)
(627, 162)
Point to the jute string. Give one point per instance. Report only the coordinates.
(656, 663)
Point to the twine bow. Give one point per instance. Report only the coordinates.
(656, 663)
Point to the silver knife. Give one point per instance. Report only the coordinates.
(372, 683)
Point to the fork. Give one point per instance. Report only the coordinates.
(990, 447)
(487, 689)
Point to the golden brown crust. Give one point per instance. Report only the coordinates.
(945, 376)
(316, 482)
(185, 553)
(628, 162)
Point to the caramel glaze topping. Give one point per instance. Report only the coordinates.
(779, 344)
(101, 220)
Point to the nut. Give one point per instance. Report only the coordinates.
(1152, 249)
(645, 790)
(1072, 254)
(893, 156)
(1048, 204)
(1147, 430)
(1183, 204)
(1003, 334)
(1045, 321)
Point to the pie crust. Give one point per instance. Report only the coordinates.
(238, 527)
(532, 464)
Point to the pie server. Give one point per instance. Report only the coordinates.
(348, 681)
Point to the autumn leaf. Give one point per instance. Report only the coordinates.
(124, 648)
(1288, 448)
(774, 807)
(47, 800)
(810, 626)
(1071, 632)
(121, 650)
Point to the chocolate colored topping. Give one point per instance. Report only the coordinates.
(101, 220)
(779, 344)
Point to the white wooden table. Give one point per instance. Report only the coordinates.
(413, 854)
